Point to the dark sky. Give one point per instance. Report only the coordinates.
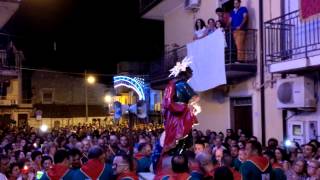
(82, 30)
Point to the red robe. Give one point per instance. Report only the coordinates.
(56, 172)
(126, 176)
(236, 174)
(93, 168)
(178, 118)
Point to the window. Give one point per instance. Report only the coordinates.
(47, 96)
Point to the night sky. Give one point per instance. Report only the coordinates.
(82, 30)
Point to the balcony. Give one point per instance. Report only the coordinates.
(156, 9)
(10, 66)
(235, 71)
(8, 101)
(292, 45)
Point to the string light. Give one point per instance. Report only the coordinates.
(134, 83)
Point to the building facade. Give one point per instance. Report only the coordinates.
(60, 100)
(13, 106)
(249, 98)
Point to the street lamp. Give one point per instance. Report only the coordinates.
(89, 79)
(107, 99)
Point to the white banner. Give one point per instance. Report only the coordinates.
(208, 61)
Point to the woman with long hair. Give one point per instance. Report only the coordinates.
(200, 29)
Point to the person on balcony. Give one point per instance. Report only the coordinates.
(11, 57)
(211, 26)
(200, 29)
(222, 16)
(239, 21)
(221, 26)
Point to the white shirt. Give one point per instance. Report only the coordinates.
(3, 177)
(201, 32)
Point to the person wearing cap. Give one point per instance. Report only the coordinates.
(95, 168)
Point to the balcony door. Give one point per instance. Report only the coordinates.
(241, 114)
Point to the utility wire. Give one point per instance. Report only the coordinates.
(73, 73)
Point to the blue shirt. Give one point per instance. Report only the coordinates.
(237, 17)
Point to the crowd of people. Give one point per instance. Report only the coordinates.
(86, 152)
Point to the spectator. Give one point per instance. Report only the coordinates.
(194, 166)
(206, 164)
(199, 147)
(19, 155)
(229, 133)
(143, 157)
(218, 144)
(272, 144)
(297, 170)
(211, 26)
(200, 29)
(52, 149)
(97, 160)
(14, 172)
(36, 157)
(218, 156)
(239, 21)
(312, 168)
(60, 168)
(46, 163)
(257, 166)
(124, 144)
(309, 151)
(223, 17)
(280, 156)
(123, 167)
(277, 170)
(234, 151)
(74, 156)
(180, 167)
(227, 162)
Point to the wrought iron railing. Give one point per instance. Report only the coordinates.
(288, 38)
(10, 57)
(10, 62)
(161, 67)
(145, 5)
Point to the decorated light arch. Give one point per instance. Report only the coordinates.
(135, 83)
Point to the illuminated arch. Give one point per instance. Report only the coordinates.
(136, 84)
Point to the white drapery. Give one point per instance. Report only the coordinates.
(208, 61)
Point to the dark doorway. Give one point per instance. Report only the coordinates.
(241, 114)
(22, 120)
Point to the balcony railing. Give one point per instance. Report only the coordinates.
(145, 5)
(10, 62)
(160, 68)
(288, 38)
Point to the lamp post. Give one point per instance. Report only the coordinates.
(89, 79)
(108, 100)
